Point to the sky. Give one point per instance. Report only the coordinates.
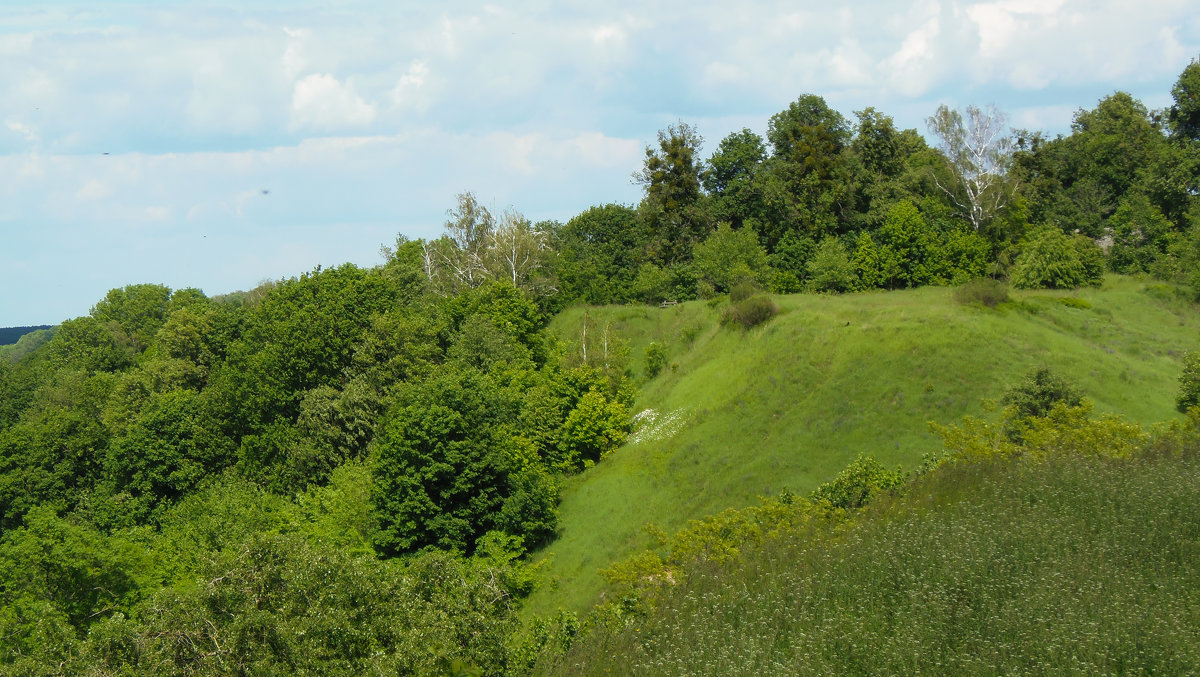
(219, 144)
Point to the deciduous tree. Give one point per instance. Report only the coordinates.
(979, 151)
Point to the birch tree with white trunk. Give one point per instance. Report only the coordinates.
(979, 150)
(517, 250)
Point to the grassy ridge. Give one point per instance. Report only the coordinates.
(789, 404)
(1077, 565)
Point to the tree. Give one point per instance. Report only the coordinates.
(1189, 383)
(1055, 260)
(830, 268)
(808, 139)
(728, 257)
(518, 252)
(138, 309)
(54, 453)
(88, 344)
(672, 207)
(906, 244)
(878, 144)
(788, 262)
(594, 427)
(445, 469)
(599, 253)
(979, 153)
(1113, 144)
(732, 178)
(1184, 115)
(458, 259)
(809, 132)
(1140, 235)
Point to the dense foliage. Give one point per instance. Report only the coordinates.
(335, 473)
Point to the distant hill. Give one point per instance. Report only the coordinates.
(10, 335)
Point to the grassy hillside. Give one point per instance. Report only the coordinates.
(790, 403)
(1077, 565)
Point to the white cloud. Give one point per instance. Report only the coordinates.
(157, 214)
(93, 189)
(912, 68)
(999, 23)
(851, 65)
(597, 150)
(610, 34)
(719, 73)
(16, 44)
(319, 101)
(411, 93)
(22, 129)
(514, 150)
(293, 61)
(1042, 117)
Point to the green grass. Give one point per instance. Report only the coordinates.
(788, 404)
(1079, 565)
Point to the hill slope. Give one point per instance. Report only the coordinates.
(790, 403)
(1078, 564)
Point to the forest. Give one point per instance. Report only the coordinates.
(357, 469)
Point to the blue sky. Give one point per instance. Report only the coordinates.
(137, 139)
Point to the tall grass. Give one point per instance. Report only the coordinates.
(1073, 565)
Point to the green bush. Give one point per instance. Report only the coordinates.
(859, 484)
(750, 312)
(984, 291)
(730, 257)
(743, 291)
(1052, 259)
(1189, 383)
(656, 359)
(1035, 397)
(830, 268)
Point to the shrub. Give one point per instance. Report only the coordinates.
(1035, 397)
(743, 291)
(1052, 259)
(1189, 383)
(729, 257)
(984, 291)
(859, 484)
(656, 359)
(750, 312)
(830, 268)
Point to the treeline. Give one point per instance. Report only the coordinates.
(824, 203)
